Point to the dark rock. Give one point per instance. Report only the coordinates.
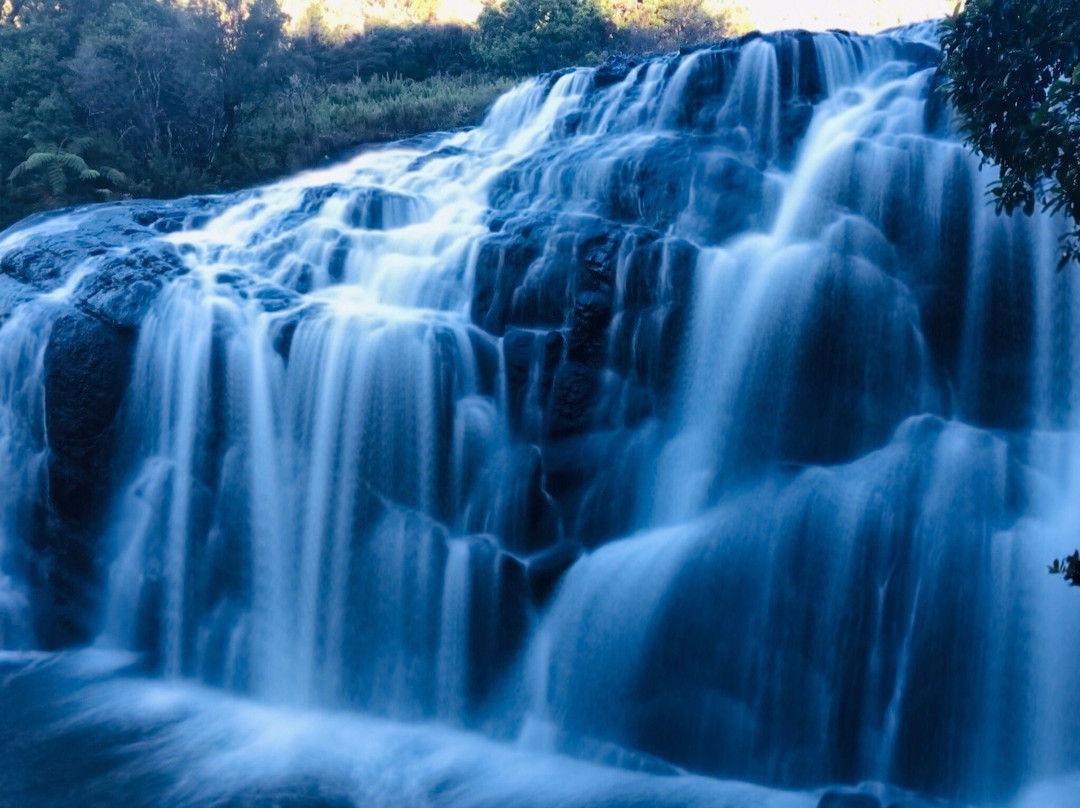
(335, 266)
(87, 367)
(847, 399)
(920, 54)
(378, 209)
(615, 69)
(47, 257)
(589, 320)
(13, 294)
(567, 125)
(41, 265)
(500, 267)
(486, 355)
(705, 86)
(539, 525)
(300, 277)
(574, 388)
(811, 84)
(518, 361)
(276, 298)
(530, 360)
(498, 614)
(729, 196)
(183, 214)
(645, 350)
(840, 799)
(547, 569)
(442, 153)
(124, 286)
(652, 186)
(543, 296)
(570, 465)
(854, 236)
(795, 119)
(311, 200)
(938, 111)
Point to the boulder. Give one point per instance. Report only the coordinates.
(379, 209)
(122, 288)
(615, 69)
(87, 368)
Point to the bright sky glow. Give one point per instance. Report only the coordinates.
(864, 16)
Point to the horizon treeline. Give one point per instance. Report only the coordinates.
(110, 99)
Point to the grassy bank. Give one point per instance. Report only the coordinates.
(306, 123)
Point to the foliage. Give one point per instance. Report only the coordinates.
(414, 51)
(533, 36)
(55, 174)
(1069, 568)
(1013, 70)
(164, 67)
(189, 96)
(663, 25)
(308, 122)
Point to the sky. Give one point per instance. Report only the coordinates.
(864, 16)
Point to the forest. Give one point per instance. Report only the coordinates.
(104, 100)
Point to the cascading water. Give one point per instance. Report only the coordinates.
(691, 415)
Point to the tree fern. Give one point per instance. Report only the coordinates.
(58, 165)
(54, 172)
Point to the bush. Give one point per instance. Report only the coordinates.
(307, 122)
(416, 52)
(664, 25)
(520, 37)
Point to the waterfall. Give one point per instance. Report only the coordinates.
(693, 417)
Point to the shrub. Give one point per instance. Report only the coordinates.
(534, 36)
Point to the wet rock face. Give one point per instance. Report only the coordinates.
(47, 255)
(615, 69)
(376, 209)
(120, 290)
(87, 368)
(839, 799)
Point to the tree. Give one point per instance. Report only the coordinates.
(533, 36)
(149, 75)
(664, 25)
(252, 40)
(1013, 74)
(169, 81)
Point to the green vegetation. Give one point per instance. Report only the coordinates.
(102, 99)
(309, 122)
(1013, 70)
(530, 36)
